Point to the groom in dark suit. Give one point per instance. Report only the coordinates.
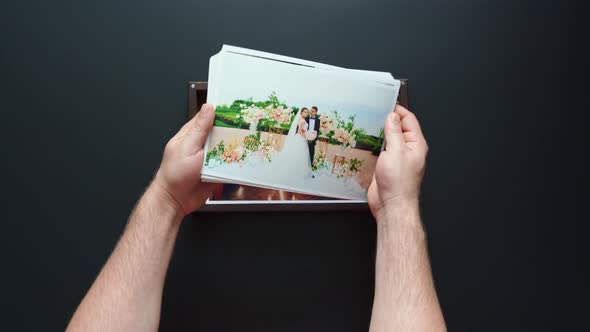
(313, 123)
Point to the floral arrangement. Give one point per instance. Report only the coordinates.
(251, 142)
(327, 124)
(252, 146)
(270, 112)
(252, 114)
(279, 115)
(339, 130)
(215, 153)
(233, 152)
(351, 167)
(230, 156)
(319, 161)
(345, 137)
(265, 151)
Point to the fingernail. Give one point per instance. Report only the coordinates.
(206, 109)
(394, 118)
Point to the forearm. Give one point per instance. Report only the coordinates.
(126, 296)
(405, 297)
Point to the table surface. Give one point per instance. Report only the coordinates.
(91, 92)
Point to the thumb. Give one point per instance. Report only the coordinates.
(200, 125)
(394, 138)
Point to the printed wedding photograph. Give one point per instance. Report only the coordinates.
(290, 127)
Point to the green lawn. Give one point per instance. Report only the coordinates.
(223, 124)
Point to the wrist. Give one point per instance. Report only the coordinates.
(400, 211)
(397, 203)
(401, 203)
(160, 199)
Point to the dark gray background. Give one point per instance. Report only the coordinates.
(91, 91)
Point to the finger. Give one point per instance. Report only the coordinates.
(412, 131)
(408, 119)
(190, 124)
(411, 136)
(199, 127)
(394, 138)
(373, 182)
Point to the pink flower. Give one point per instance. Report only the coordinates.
(230, 156)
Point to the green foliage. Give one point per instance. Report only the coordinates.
(350, 124)
(252, 142)
(354, 165)
(272, 100)
(351, 167)
(379, 143)
(215, 153)
(342, 123)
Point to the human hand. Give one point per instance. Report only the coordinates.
(179, 176)
(400, 168)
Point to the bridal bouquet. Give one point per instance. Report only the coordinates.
(310, 135)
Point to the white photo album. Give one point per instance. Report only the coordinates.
(295, 125)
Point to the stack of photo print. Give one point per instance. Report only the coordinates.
(291, 133)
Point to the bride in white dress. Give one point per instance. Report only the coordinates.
(292, 167)
(293, 162)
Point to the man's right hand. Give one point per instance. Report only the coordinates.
(405, 297)
(179, 178)
(400, 168)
